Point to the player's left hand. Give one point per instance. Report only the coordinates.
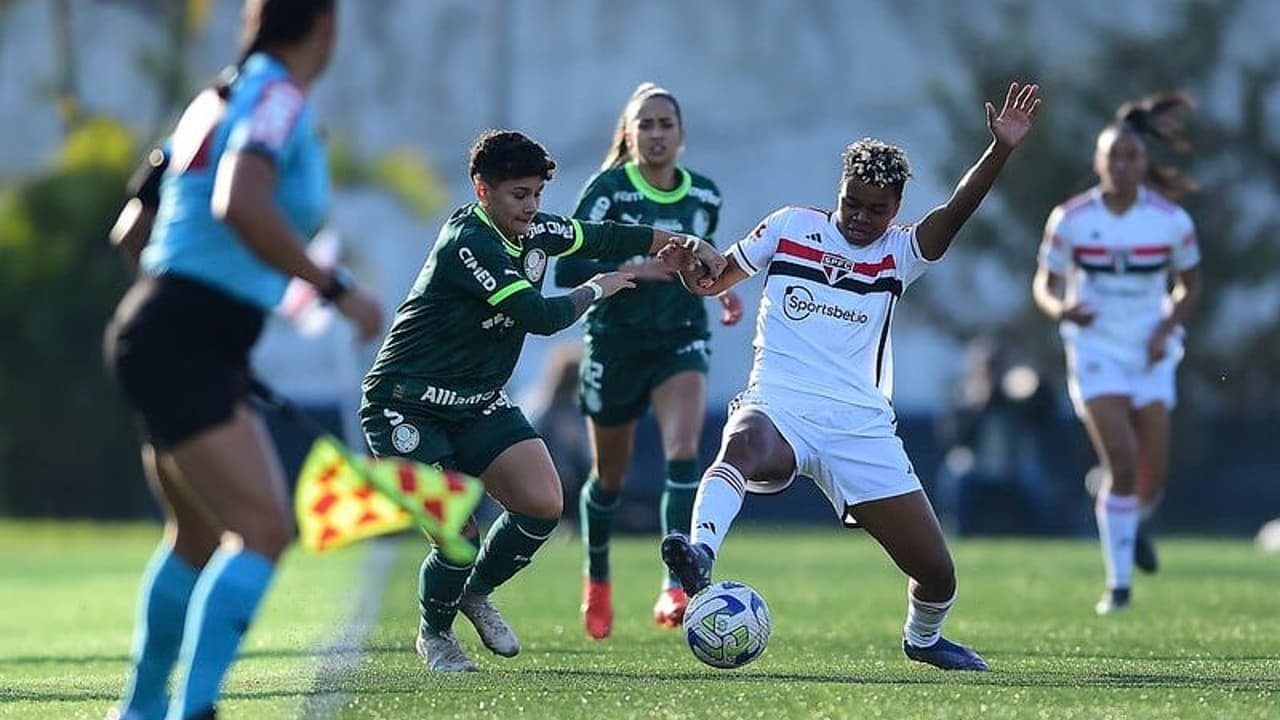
(732, 306)
(1014, 120)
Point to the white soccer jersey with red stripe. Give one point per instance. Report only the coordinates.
(823, 326)
(1120, 265)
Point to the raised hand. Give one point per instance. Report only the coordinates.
(1015, 119)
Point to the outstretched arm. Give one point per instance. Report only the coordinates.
(1008, 128)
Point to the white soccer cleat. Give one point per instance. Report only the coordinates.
(493, 630)
(441, 652)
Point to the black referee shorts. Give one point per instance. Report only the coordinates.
(179, 349)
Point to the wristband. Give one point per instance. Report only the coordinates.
(340, 283)
(595, 289)
(692, 243)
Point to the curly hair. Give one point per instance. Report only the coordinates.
(878, 163)
(499, 155)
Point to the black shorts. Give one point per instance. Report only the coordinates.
(179, 349)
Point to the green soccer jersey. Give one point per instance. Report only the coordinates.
(457, 336)
(653, 311)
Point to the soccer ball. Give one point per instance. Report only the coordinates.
(727, 625)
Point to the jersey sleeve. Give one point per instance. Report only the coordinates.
(1186, 248)
(904, 247)
(714, 212)
(606, 240)
(1055, 248)
(754, 251)
(482, 270)
(269, 122)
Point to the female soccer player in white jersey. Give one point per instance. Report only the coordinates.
(1105, 267)
(817, 402)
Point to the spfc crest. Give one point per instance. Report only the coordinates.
(835, 267)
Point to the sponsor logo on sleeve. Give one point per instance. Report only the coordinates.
(274, 115)
(482, 276)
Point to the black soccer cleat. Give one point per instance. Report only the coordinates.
(1144, 552)
(946, 655)
(689, 562)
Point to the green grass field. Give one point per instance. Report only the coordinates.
(1202, 642)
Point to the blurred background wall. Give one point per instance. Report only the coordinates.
(771, 91)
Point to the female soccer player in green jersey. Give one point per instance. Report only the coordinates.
(646, 346)
(436, 390)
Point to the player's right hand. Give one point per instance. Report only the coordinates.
(362, 311)
(1081, 314)
(613, 282)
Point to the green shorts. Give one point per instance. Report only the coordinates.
(467, 442)
(617, 378)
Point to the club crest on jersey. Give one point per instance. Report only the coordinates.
(535, 264)
(405, 438)
(835, 267)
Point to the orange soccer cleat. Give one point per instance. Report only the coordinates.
(597, 608)
(669, 610)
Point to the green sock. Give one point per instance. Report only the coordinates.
(677, 500)
(440, 586)
(596, 507)
(508, 549)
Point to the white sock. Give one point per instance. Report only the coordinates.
(1117, 528)
(1147, 509)
(924, 620)
(717, 504)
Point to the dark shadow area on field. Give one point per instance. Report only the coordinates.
(1098, 659)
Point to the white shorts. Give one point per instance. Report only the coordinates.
(1092, 373)
(850, 468)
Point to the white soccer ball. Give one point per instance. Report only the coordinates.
(727, 625)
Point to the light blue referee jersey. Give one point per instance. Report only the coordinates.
(266, 114)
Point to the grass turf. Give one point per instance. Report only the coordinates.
(1201, 641)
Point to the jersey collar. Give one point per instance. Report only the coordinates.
(512, 248)
(662, 197)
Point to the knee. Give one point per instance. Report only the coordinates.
(681, 448)
(748, 449)
(1123, 466)
(270, 536)
(547, 509)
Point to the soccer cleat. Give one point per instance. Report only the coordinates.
(493, 630)
(668, 612)
(1113, 601)
(597, 608)
(1144, 552)
(689, 562)
(946, 655)
(441, 652)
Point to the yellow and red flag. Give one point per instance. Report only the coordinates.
(342, 498)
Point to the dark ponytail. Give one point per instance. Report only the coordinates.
(269, 23)
(620, 149)
(1158, 116)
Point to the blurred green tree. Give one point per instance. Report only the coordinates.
(67, 443)
(1233, 361)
